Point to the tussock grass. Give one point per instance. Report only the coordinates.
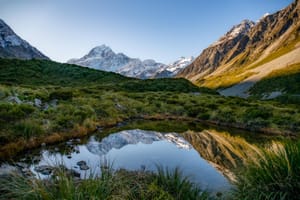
(275, 175)
(111, 184)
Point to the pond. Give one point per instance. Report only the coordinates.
(206, 156)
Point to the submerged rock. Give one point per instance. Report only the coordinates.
(82, 165)
(44, 169)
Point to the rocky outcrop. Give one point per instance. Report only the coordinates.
(12, 46)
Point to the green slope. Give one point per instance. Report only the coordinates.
(43, 72)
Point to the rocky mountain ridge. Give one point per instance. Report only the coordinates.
(12, 46)
(244, 59)
(104, 58)
(174, 68)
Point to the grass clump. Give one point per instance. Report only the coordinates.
(121, 184)
(275, 175)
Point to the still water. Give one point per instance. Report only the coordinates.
(137, 150)
(208, 157)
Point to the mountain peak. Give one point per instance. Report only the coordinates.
(102, 51)
(236, 31)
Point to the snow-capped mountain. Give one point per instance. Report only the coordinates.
(12, 46)
(123, 138)
(236, 31)
(141, 69)
(104, 58)
(221, 51)
(172, 69)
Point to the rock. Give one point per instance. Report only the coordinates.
(38, 103)
(82, 165)
(77, 150)
(36, 159)
(69, 156)
(6, 170)
(44, 169)
(119, 106)
(78, 140)
(43, 144)
(46, 106)
(21, 165)
(27, 172)
(14, 99)
(53, 103)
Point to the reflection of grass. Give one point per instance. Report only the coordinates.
(274, 176)
(110, 185)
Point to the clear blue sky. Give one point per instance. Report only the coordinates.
(159, 29)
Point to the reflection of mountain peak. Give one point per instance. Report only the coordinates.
(123, 138)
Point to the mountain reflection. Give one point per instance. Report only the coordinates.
(123, 138)
(222, 150)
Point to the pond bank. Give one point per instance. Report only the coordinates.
(11, 149)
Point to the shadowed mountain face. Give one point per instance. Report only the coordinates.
(223, 151)
(246, 50)
(12, 46)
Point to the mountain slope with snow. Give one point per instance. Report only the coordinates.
(172, 69)
(104, 58)
(12, 46)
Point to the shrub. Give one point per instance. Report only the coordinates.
(61, 94)
(258, 112)
(11, 112)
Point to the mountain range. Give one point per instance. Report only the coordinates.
(12, 46)
(104, 58)
(248, 53)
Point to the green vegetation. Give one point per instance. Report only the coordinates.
(47, 73)
(165, 185)
(275, 175)
(44, 101)
(286, 80)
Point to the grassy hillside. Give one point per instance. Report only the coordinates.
(48, 102)
(43, 72)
